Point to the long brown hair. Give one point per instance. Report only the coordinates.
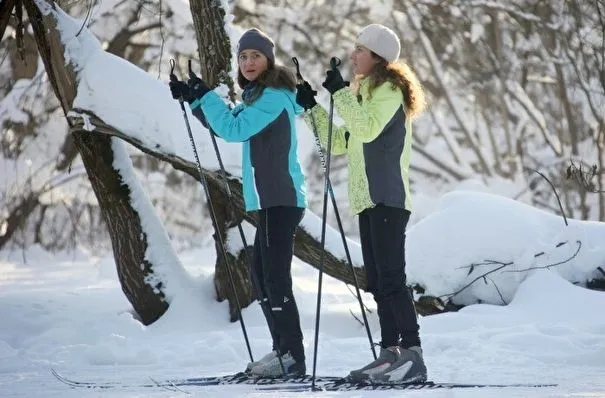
(275, 76)
(401, 76)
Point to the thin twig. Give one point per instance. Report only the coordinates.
(554, 264)
(355, 295)
(88, 12)
(556, 194)
(355, 316)
(498, 290)
(162, 42)
(486, 262)
(504, 265)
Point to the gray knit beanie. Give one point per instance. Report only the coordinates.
(381, 40)
(254, 39)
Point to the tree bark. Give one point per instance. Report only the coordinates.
(214, 46)
(17, 216)
(231, 275)
(124, 226)
(129, 241)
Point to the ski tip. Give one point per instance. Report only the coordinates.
(56, 374)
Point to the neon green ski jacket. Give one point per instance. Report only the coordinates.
(378, 141)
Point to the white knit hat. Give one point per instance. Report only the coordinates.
(380, 39)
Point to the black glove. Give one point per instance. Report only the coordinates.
(334, 81)
(197, 87)
(305, 95)
(180, 89)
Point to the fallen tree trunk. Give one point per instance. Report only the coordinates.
(306, 247)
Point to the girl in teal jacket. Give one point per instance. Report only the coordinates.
(273, 183)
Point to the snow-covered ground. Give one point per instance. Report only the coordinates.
(66, 311)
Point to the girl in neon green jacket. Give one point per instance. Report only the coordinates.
(377, 139)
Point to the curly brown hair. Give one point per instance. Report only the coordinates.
(275, 76)
(401, 76)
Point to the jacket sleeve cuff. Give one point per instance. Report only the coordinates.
(195, 104)
(201, 101)
(344, 95)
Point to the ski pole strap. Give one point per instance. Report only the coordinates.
(334, 64)
(298, 75)
(172, 75)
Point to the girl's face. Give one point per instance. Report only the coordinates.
(363, 60)
(252, 63)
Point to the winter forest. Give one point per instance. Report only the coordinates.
(507, 170)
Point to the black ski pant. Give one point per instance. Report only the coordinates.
(382, 235)
(273, 250)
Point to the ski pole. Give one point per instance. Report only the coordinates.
(338, 219)
(263, 301)
(212, 213)
(334, 62)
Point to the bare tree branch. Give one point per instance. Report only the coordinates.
(553, 264)
(502, 265)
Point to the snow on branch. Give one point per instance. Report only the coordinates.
(416, 24)
(519, 94)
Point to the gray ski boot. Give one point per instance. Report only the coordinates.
(273, 367)
(387, 357)
(266, 358)
(409, 367)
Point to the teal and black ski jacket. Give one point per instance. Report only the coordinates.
(271, 173)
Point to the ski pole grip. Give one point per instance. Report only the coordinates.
(335, 63)
(191, 74)
(173, 77)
